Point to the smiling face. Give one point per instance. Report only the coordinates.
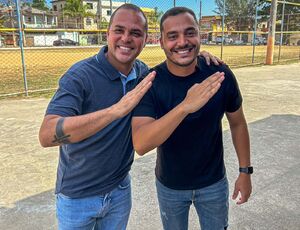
(180, 41)
(126, 38)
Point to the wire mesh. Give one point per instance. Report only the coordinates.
(54, 38)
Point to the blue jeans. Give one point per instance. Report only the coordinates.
(106, 212)
(211, 204)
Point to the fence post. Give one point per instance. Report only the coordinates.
(254, 32)
(281, 30)
(223, 24)
(21, 47)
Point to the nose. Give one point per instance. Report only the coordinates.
(126, 37)
(181, 41)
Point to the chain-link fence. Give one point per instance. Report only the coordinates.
(35, 52)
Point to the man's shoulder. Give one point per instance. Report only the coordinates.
(213, 68)
(83, 65)
(84, 69)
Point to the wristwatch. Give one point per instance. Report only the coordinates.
(247, 170)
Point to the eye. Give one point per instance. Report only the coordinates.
(172, 37)
(118, 31)
(136, 34)
(191, 33)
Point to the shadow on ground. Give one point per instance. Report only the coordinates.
(275, 202)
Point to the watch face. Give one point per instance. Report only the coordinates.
(250, 170)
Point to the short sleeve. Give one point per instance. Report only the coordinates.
(68, 99)
(233, 95)
(146, 107)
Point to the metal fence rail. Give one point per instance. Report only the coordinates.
(35, 53)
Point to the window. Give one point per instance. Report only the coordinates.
(108, 13)
(89, 6)
(88, 21)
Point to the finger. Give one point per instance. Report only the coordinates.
(216, 77)
(220, 61)
(149, 78)
(215, 60)
(242, 199)
(207, 59)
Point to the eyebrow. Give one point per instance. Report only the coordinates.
(131, 30)
(187, 29)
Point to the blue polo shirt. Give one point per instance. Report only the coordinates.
(99, 163)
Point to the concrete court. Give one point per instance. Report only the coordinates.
(272, 107)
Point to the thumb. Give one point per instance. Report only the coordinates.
(235, 193)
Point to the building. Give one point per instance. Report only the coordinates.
(89, 22)
(35, 18)
(211, 28)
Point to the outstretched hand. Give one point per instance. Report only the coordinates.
(199, 94)
(132, 98)
(209, 58)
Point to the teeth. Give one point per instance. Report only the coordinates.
(125, 48)
(183, 51)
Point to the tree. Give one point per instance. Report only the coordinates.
(239, 14)
(2, 20)
(76, 10)
(39, 4)
(291, 14)
(154, 17)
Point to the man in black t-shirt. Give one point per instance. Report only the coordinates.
(181, 116)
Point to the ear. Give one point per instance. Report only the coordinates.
(161, 42)
(107, 32)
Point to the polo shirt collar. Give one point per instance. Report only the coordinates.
(109, 70)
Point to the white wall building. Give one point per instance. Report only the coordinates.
(87, 22)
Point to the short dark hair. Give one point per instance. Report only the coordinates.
(175, 11)
(128, 6)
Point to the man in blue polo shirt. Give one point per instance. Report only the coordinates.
(184, 122)
(89, 117)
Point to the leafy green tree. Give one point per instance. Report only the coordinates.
(291, 14)
(39, 4)
(239, 14)
(154, 18)
(76, 10)
(2, 20)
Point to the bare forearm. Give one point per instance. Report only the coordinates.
(153, 134)
(241, 142)
(75, 128)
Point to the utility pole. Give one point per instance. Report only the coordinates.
(271, 34)
(200, 12)
(174, 3)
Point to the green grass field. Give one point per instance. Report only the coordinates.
(45, 66)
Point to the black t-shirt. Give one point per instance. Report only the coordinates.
(192, 157)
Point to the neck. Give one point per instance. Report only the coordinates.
(181, 71)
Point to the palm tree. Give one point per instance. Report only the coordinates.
(76, 10)
(2, 20)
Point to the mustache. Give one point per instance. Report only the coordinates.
(179, 48)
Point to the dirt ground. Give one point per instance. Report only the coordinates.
(26, 169)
